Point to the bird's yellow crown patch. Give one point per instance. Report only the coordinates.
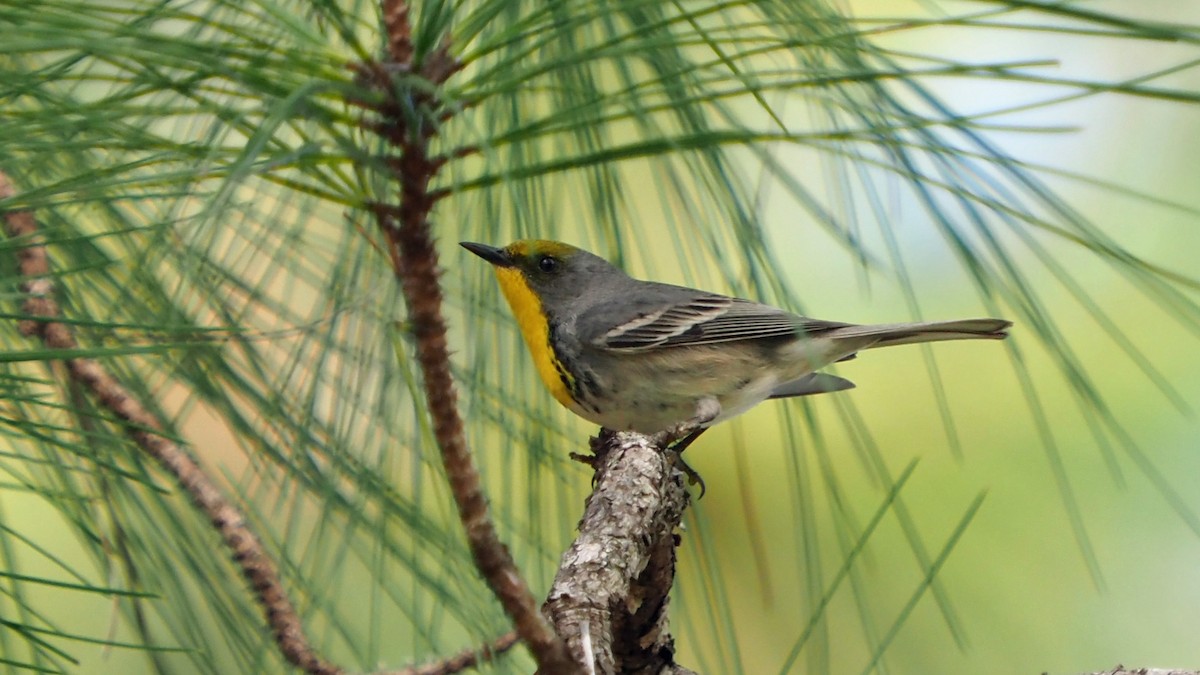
(528, 247)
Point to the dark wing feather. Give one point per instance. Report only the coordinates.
(700, 319)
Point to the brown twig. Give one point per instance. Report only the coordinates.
(408, 118)
(609, 599)
(143, 428)
(468, 658)
(1123, 670)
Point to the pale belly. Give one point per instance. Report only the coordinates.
(651, 411)
(651, 393)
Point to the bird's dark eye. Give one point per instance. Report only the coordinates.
(547, 263)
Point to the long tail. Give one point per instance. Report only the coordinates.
(889, 334)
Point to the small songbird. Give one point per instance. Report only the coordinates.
(643, 356)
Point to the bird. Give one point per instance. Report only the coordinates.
(655, 358)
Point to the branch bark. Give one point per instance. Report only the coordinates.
(610, 597)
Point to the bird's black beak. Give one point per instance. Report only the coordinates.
(494, 255)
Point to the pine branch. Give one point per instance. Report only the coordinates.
(144, 429)
(408, 119)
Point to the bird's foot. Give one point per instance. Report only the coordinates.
(682, 435)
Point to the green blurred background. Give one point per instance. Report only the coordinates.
(1017, 579)
(774, 527)
(1025, 597)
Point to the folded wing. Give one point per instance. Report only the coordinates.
(707, 319)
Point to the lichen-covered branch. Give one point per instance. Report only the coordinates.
(610, 596)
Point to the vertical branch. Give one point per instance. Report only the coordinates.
(408, 119)
(609, 599)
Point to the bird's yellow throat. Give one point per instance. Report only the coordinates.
(527, 307)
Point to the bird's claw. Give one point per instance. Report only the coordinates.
(693, 477)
